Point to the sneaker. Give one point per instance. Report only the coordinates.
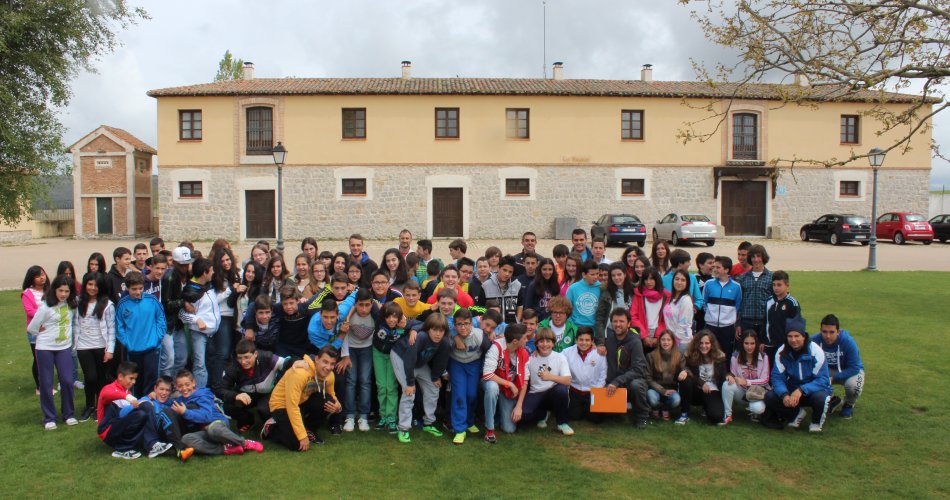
(565, 429)
(796, 422)
(265, 430)
(50, 426)
(847, 412)
(725, 421)
(336, 430)
(459, 438)
(814, 428)
(250, 445)
(641, 423)
(666, 416)
(87, 414)
(349, 425)
(472, 430)
(185, 454)
(431, 429)
(72, 421)
(127, 455)
(381, 424)
(313, 437)
(543, 424)
(404, 437)
(158, 448)
(233, 449)
(78, 385)
(834, 404)
(363, 425)
(754, 417)
(682, 419)
(490, 437)
(391, 427)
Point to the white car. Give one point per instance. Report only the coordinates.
(683, 228)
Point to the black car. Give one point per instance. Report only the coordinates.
(941, 226)
(619, 228)
(838, 228)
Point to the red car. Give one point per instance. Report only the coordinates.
(903, 226)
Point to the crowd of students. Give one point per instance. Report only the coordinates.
(185, 352)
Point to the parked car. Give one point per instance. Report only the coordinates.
(941, 226)
(838, 228)
(619, 228)
(682, 228)
(903, 226)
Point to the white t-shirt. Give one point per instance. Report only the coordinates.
(555, 363)
(558, 331)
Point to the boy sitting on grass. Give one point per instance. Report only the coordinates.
(208, 428)
(247, 383)
(301, 400)
(124, 423)
(167, 422)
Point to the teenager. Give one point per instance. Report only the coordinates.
(424, 253)
(779, 308)
(95, 337)
(303, 277)
(421, 364)
(629, 259)
(450, 279)
(742, 261)
(505, 381)
(362, 322)
(382, 292)
(301, 400)
(646, 309)
(844, 364)
(504, 289)
(53, 327)
(588, 370)
(226, 283)
(394, 267)
(529, 244)
(122, 265)
(705, 373)
(559, 321)
(550, 377)
(251, 279)
(722, 297)
(756, 286)
(202, 315)
(457, 250)
(617, 291)
(493, 254)
(140, 327)
(318, 272)
(175, 343)
(748, 368)
(338, 264)
(626, 365)
(354, 272)
(799, 380)
(470, 284)
(35, 285)
(309, 246)
(465, 370)
(572, 271)
(247, 382)
(125, 423)
(544, 287)
(584, 295)
(579, 242)
(598, 249)
(704, 265)
(96, 263)
(678, 313)
(391, 327)
(275, 277)
(482, 270)
(664, 366)
(560, 253)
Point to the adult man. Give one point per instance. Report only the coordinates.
(626, 364)
(301, 400)
(844, 363)
(528, 244)
(579, 239)
(405, 243)
(598, 249)
(504, 289)
(357, 255)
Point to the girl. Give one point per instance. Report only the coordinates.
(628, 259)
(252, 279)
(749, 367)
(617, 291)
(465, 372)
(704, 374)
(227, 287)
(327, 258)
(542, 289)
(355, 273)
(302, 277)
(66, 268)
(395, 267)
(660, 256)
(96, 264)
(309, 247)
(646, 310)
(493, 254)
(678, 312)
(95, 337)
(642, 263)
(260, 254)
(664, 366)
(35, 285)
(274, 279)
(339, 263)
(319, 272)
(571, 272)
(482, 270)
(216, 247)
(53, 328)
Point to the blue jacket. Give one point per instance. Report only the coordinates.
(722, 302)
(140, 324)
(808, 371)
(843, 355)
(320, 336)
(694, 292)
(201, 408)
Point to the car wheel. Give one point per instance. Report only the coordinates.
(927, 242)
(833, 239)
(898, 238)
(674, 239)
(655, 237)
(710, 243)
(865, 243)
(804, 235)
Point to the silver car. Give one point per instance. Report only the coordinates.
(683, 228)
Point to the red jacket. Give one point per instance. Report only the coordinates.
(106, 411)
(638, 314)
(504, 365)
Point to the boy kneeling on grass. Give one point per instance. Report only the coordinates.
(124, 422)
(207, 427)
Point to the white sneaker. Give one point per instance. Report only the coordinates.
(543, 423)
(126, 455)
(797, 421)
(565, 429)
(348, 425)
(50, 426)
(78, 385)
(72, 421)
(363, 425)
(814, 428)
(158, 448)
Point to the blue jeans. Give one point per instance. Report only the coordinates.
(219, 350)
(174, 352)
(465, 378)
(669, 402)
(495, 400)
(199, 344)
(361, 371)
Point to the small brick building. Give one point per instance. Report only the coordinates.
(112, 188)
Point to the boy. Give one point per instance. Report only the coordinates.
(584, 295)
(300, 401)
(471, 285)
(362, 320)
(421, 363)
(175, 344)
(392, 326)
(506, 290)
(208, 427)
(291, 318)
(153, 281)
(263, 330)
(139, 255)
(722, 297)
(124, 423)
(588, 370)
(579, 241)
(157, 245)
(140, 327)
(560, 253)
(505, 380)
(548, 390)
(116, 276)
(526, 270)
(465, 363)
(626, 364)
(410, 304)
(424, 252)
(756, 284)
(779, 308)
(565, 330)
(457, 250)
(598, 249)
(167, 422)
(201, 314)
(529, 318)
(429, 284)
(367, 265)
(248, 382)
(844, 364)
(742, 261)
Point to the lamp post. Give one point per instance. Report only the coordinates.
(280, 154)
(876, 157)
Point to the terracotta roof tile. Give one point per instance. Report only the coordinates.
(136, 143)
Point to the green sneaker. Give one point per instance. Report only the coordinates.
(431, 429)
(459, 438)
(472, 430)
(404, 437)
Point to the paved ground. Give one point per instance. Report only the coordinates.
(788, 255)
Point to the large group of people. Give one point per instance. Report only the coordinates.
(191, 351)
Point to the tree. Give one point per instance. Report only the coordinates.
(836, 50)
(43, 46)
(229, 68)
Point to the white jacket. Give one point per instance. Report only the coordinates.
(586, 373)
(207, 310)
(95, 333)
(57, 325)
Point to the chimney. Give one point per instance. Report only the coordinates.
(801, 80)
(558, 71)
(646, 73)
(248, 71)
(406, 70)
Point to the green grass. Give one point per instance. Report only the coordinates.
(897, 444)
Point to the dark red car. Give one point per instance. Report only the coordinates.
(904, 226)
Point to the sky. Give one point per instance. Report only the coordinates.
(183, 42)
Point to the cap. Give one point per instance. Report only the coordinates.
(182, 255)
(796, 324)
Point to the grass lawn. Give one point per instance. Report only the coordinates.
(896, 445)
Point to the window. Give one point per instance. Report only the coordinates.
(354, 123)
(631, 124)
(745, 140)
(849, 129)
(849, 188)
(189, 125)
(517, 187)
(260, 130)
(447, 123)
(516, 123)
(631, 187)
(189, 189)
(354, 187)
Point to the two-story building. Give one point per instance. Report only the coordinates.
(493, 157)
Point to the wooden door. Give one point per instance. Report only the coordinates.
(104, 215)
(743, 207)
(259, 214)
(447, 212)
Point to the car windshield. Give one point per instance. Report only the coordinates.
(857, 220)
(914, 218)
(694, 218)
(624, 219)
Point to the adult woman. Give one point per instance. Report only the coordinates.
(749, 367)
(252, 279)
(394, 265)
(664, 366)
(226, 283)
(274, 278)
(53, 328)
(260, 254)
(572, 272)
(646, 309)
(660, 256)
(704, 374)
(302, 277)
(309, 247)
(95, 337)
(799, 380)
(542, 289)
(618, 291)
(678, 312)
(96, 263)
(35, 285)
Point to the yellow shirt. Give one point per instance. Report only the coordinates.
(414, 311)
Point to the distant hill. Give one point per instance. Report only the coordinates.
(60, 194)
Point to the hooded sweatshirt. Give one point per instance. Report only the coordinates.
(140, 324)
(201, 409)
(423, 352)
(843, 356)
(807, 371)
(206, 308)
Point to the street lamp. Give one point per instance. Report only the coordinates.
(280, 153)
(876, 157)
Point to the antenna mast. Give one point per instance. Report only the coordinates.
(544, 39)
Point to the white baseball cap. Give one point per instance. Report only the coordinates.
(182, 255)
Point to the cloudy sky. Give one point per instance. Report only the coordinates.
(184, 40)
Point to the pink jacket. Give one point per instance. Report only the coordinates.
(638, 314)
(756, 376)
(30, 305)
